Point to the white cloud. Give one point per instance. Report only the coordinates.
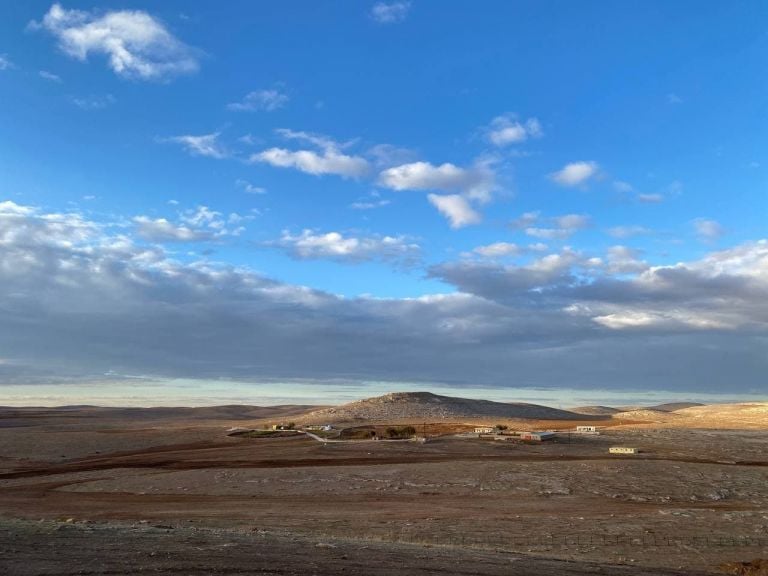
(49, 76)
(370, 204)
(311, 162)
(390, 12)
(137, 45)
(329, 159)
(650, 198)
(477, 182)
(562, 226)
(311, 245)
(708, 230)
(161, 230)
(498, 249)
(526, 220)
(194, 225)
(506, 129)
(576, 173)
(5, 62)
(456, 209)
(624, 260)
(202, 145)
(628, 231)
(93, 102)
(249, 188)
(266, 100)
(621, 186)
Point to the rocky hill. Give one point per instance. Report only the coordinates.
(595, 410)
(428, 406)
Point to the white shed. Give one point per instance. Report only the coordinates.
(622, 450)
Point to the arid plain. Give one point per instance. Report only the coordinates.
(87, 490)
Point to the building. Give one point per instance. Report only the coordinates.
(622, 450)
(586, 429)
(537, 436)
(483, 430)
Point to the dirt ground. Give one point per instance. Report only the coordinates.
(174, 495)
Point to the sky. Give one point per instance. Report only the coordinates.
(419, 194)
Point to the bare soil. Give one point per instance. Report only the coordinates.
(104, 493)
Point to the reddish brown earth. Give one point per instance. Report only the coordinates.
(693, 501)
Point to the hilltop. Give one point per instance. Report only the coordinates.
(428, 406)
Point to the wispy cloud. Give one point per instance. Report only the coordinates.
(265, 100)
(5, 62)
(93, 102)
(49, 76)
(136, 44)
(200, 145)
(708, 230)
(390, 12)
(249, 188)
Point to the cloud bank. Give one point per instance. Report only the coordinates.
(78, 299)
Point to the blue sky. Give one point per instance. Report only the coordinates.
(526, 155)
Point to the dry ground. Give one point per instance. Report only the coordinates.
(693, 500)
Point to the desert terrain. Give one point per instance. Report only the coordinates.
(87, 490)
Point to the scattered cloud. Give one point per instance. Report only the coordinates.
(628, 231)
(650, 198)
(498, 250)
(476, 182)
(673, 98)
(194, 225)
(264, 100)
(312, 245)
(370, 202)
(558, 228)
(49, 76)
(708, 230)
(202, 145)
(249, 188)
(136, 44)
(507, 129)
(576, 173)
(524, 221)
(390, 12)
(328, 157)
(5, 62)
(161, 230)
(456, 209)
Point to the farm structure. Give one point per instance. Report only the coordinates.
(586, 430)
(483, 430)
(537, 436)
(622, 450)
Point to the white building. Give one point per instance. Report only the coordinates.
(589, 429)
(622, 450)
(483, 430)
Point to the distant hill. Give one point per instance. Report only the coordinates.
(595, 410)
(667, 407)
(428, 406)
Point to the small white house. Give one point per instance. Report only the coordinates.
(483, 430)
(586, 429)
(622, 450)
